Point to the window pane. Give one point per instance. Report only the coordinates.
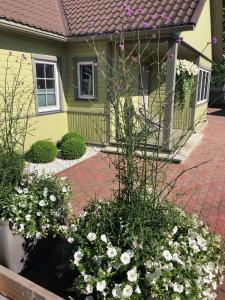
(50, 85)
(199, 86)
(49, 69)
(51, 99)
(40, 70)
(41, 101)
(203, 86)
(206, 85)
(41, 85)
(86, 80)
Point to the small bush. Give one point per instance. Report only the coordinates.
(70, 135)
(42, 152)
(73, 148)
(11, 168)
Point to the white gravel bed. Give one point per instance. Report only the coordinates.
(59, 164)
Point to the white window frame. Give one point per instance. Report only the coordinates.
(56, 80)
(85, 63)
(200, 84)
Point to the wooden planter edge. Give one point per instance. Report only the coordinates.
(16, 287)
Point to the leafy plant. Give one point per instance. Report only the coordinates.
(73, 148)
(37, 206)
(42, 152)
(11, 168)
(218, 78)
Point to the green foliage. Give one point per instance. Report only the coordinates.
(183, 90)
(11, 168)
(37, 206)
(42, 152)
(218, 74)
(70, 135)
(135, 251)
(73, 148)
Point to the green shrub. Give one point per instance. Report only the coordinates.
(11, 168)
(42, 152)
(133, 251)
(70, 135)
(73, 148)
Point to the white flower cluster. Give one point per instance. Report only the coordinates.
(38, 205)
(185, 265)
(187, 67)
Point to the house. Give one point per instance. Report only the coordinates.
(53, 36)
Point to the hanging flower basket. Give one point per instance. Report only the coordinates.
(186, 72)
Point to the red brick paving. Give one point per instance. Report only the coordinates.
(202, 188)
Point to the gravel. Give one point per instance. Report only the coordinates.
(59, 164)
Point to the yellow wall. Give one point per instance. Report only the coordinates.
(201, 36)
(13, 46)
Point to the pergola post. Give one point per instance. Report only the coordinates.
(170, 95)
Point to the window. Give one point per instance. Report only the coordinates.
(47, 86)
(203, 86)
(86, 80)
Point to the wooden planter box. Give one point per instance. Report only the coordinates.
(16, 287)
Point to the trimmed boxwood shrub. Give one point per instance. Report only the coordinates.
(73, 148)
(11, 167)
(71, 135)
(42, 152)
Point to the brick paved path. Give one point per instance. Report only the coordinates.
(203, 188)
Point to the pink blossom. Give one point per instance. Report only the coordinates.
(214, 40)
(146, 25)
(154, 27)
(154, 17)
(121, 46)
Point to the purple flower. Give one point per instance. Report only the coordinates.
(128, 10)
(154, 27)
(214, 40)
(154, 17)
(146, 25)
(121, 46)
(179, 40)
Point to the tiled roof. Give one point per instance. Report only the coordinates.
(104, 16)
(46, 15)
(87, 17)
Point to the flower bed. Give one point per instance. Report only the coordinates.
(162, 254)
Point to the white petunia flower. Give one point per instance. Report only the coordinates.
(78, 255)
(101, 286)
(178, 288)
(52, 198)
(127, 291)
(175, 229)
(117, 291)
(39, 213)
(73, 227)
(89, 289)
(104, 238)
(138, 290)
(167, 255)
(38, 235)
(111, 252)
(45, 192)
(87, 278)
(64, 189)
(70, 240)
(132, 275)
(42, 203)
(125, 258)
(28, 217)
(91, 236)
(25, 191)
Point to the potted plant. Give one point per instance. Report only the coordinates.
(30, 213)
